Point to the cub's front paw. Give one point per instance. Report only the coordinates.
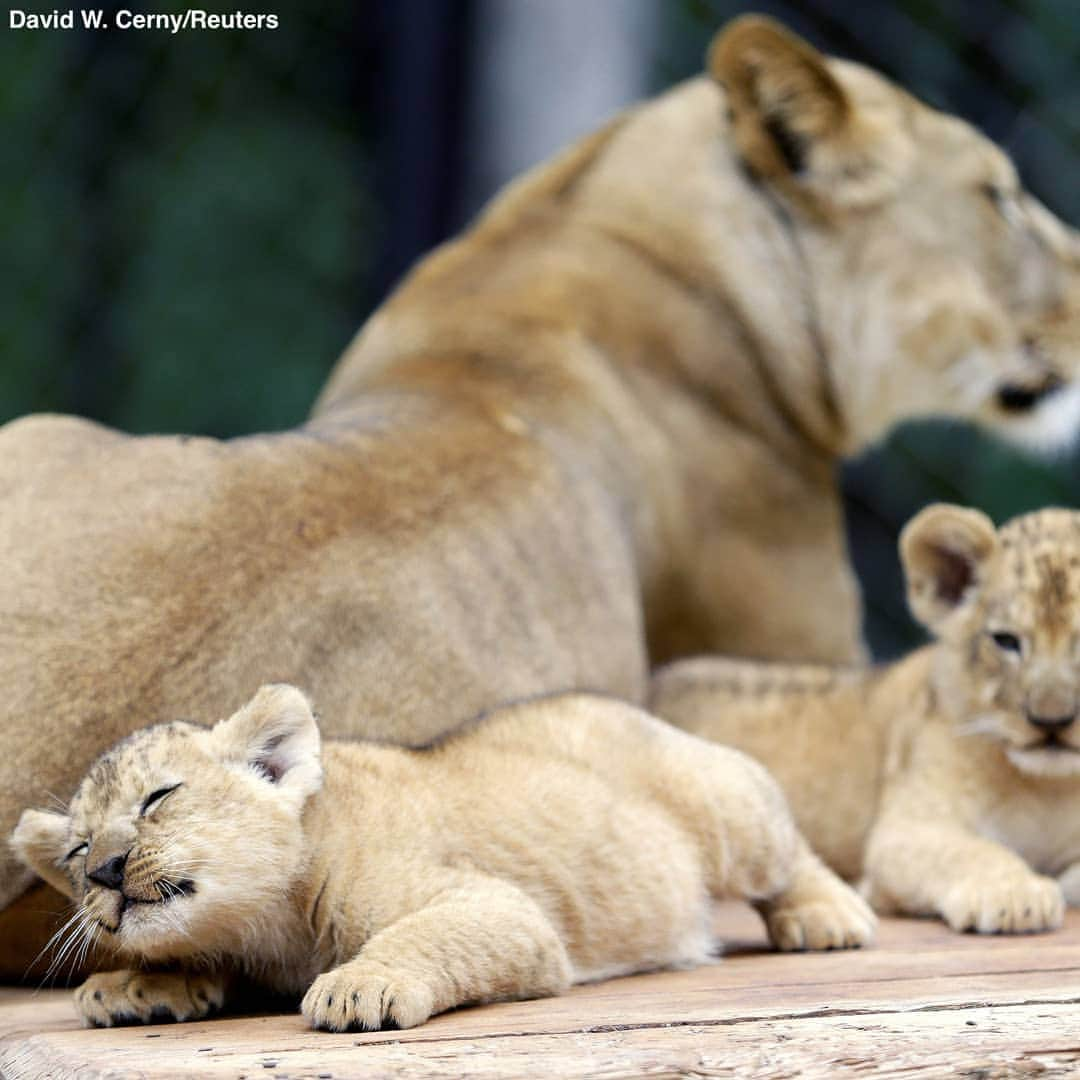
(1011, 905)
(140, 997)
(363, 996)
(830, 916)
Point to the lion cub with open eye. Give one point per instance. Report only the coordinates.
(565, 839)
(950, 779)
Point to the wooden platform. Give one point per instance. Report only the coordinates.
(924, 1002)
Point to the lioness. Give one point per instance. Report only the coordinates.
(558, 841)
(610, 414)
(951, 779)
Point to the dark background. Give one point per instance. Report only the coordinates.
(193, 226)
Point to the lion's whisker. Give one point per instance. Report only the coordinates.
(70, 943)
(75, 916)
(979, 725)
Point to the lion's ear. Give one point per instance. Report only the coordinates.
(40, 841)
(275, 734)
(793, 122)
(947, 552)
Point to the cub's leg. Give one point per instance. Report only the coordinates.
(131, 997)
(484, 940)
(751, 846)
(924, 865)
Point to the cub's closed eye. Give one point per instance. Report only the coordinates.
(1006, 642)
(155, 797)
(79, 849)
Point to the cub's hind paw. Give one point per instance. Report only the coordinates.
(1021, 904)
(115, 998)
(819, 926)
(819, 912)
(362, 996)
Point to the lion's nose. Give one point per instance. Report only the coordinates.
(1015, 398)
(1051, 723)
(110, 873)
(1018, 397)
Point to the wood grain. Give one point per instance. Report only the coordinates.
(925, 1002)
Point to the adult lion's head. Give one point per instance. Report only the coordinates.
(939, 285)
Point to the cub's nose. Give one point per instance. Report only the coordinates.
(110, 873)
(1051, 723)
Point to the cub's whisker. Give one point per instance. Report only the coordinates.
(979, 725)
(66, 950)
(75, 915)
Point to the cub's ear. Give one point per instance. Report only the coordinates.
(40, 840)
(276, 734)
(947, 552)
(792, 120)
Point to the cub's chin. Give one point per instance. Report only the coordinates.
(157, 930)
(1055, 760)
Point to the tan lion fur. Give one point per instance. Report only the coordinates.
(950, 779)
(568, 839)
(608, 417)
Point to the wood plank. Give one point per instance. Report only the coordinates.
(755, 1013)
(1025, 1038)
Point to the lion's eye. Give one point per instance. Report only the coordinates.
(79, 849)
(155, 797)
(1006, 642)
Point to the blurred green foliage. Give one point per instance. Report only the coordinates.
(186, 222)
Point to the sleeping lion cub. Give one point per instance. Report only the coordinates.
(950, 779)
(562, 840)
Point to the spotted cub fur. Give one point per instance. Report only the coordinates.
(565, 839)
(951, 779)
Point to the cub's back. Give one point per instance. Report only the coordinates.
(818, 729)
(544, 795)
